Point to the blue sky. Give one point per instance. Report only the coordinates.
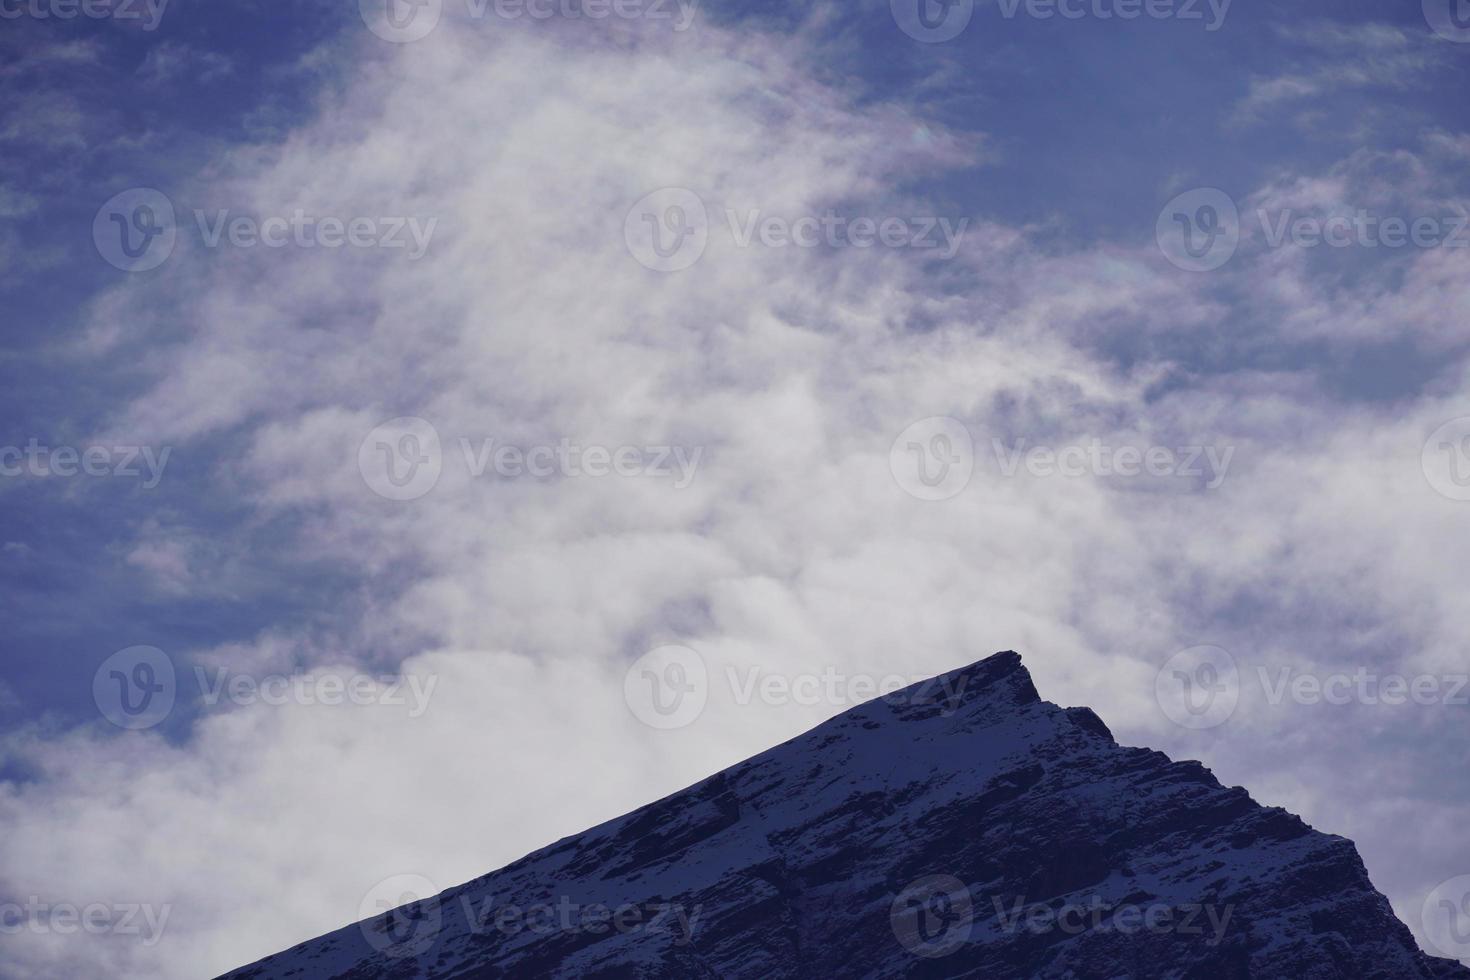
(517, 149)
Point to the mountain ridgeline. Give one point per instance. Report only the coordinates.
(959, 828)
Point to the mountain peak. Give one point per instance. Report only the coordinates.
(960, 827)
(999, 682)
(1000, 678)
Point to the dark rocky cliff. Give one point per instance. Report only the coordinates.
(960, 828)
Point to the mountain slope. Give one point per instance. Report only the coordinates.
(962, 827)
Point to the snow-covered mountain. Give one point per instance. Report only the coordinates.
(962, 827)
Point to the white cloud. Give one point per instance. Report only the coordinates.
(1341, 57)
(529, 321)
(171, 63)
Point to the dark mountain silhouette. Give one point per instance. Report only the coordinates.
(960, 828)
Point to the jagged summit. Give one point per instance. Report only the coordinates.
(999, 679)
(959, 827)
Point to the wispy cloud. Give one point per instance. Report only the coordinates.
(1337, 58)
(533, 318)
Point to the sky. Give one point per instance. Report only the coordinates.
(432, 430)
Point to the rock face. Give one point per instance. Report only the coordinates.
(960, 828)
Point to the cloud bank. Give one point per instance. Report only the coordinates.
(798, 547)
